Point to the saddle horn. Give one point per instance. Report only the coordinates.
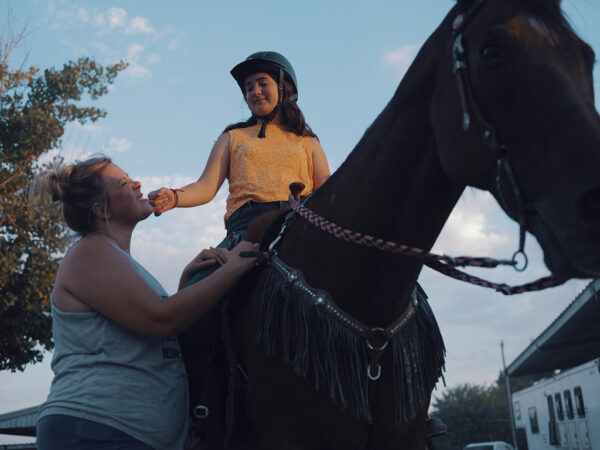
(296, 188)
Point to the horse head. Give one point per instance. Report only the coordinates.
(523, 123)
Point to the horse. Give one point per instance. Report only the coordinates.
(500, 98)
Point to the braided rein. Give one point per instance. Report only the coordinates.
(444, 264)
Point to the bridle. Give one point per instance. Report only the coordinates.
(489, 136)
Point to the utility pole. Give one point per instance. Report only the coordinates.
(510, 405)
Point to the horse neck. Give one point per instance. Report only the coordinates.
(391, 186)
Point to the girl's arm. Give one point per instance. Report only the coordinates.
(98, 277)
(204, 189)
(320, 165)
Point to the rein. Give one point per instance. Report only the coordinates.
(444, 264)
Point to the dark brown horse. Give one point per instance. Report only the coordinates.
(500, 98)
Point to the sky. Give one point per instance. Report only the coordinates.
(167, 109)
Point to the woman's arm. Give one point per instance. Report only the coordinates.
(320, 165)
(204, 189)
(97, 275)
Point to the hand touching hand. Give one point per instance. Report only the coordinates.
(162, 200)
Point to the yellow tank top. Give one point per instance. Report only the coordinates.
(261, 170)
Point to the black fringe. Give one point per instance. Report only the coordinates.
(304, 335)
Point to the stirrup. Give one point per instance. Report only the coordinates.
(434, 427)
(201, 412)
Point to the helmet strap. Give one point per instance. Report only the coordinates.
(268, 117)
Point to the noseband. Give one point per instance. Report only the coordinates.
(489, 137)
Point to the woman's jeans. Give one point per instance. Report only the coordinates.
(62, 432)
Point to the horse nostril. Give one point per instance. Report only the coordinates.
(589, 206)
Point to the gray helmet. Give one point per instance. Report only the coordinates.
(268, 62)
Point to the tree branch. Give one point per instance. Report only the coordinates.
(9, 41)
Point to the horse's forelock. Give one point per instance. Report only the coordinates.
(551, 15)
(548, 12)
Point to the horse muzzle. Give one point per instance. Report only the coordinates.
(568, 231)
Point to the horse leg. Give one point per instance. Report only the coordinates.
(388, 431)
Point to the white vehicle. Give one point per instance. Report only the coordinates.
(496, 445)
(562, 412)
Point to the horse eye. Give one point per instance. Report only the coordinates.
(491, 52)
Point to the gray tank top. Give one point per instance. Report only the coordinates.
(109, 374)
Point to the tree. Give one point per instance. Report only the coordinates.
(35, 106)
(476, 413)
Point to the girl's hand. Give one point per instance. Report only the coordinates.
(162, 200)
(206, 258)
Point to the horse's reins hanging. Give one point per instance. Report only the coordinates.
(442, 263)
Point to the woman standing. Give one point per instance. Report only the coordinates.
(119, 380)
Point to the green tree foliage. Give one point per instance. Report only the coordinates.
(475, 413)
(35, 106)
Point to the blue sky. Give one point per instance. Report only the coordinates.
(168, 108)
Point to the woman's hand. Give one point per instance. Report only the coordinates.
(238, 264)
(162, 200)
(206, 258)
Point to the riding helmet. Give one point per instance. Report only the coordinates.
(268, 62)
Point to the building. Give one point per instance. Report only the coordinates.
(20, 423)
(562, 410)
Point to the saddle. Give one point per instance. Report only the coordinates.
(265, 228)
(217, 392)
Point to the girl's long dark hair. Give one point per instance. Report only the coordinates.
(291, 116)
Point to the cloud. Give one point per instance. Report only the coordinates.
(102, 48)
(140, 25)
(92, 128)
(99, 20)
(83, 15)
(135, 69)
(134, 51)
(117, 17)
(112, 19)
(153, 58)
(469, 229)
(400, 59)
(116, 145)
(69, 152)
